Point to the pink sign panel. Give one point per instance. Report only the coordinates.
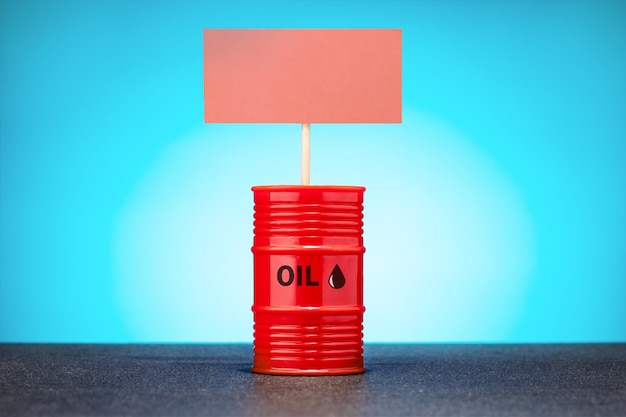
(303, 75)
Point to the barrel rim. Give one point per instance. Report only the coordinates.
(296, 187)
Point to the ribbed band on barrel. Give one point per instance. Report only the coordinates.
(334, 220)
(329, 340)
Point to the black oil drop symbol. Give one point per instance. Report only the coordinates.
(336, 279)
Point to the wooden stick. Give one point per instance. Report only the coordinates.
(306, 153)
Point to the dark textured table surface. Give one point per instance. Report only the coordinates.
(414, 379)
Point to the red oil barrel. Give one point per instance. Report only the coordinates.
(308, 280)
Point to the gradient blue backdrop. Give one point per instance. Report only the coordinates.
(495, 212)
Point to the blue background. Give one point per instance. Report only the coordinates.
(495, 212)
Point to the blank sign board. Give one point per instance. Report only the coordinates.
(303, 75)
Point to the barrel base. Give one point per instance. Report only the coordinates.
(308, 372)
(315, 365)
(308, 340)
